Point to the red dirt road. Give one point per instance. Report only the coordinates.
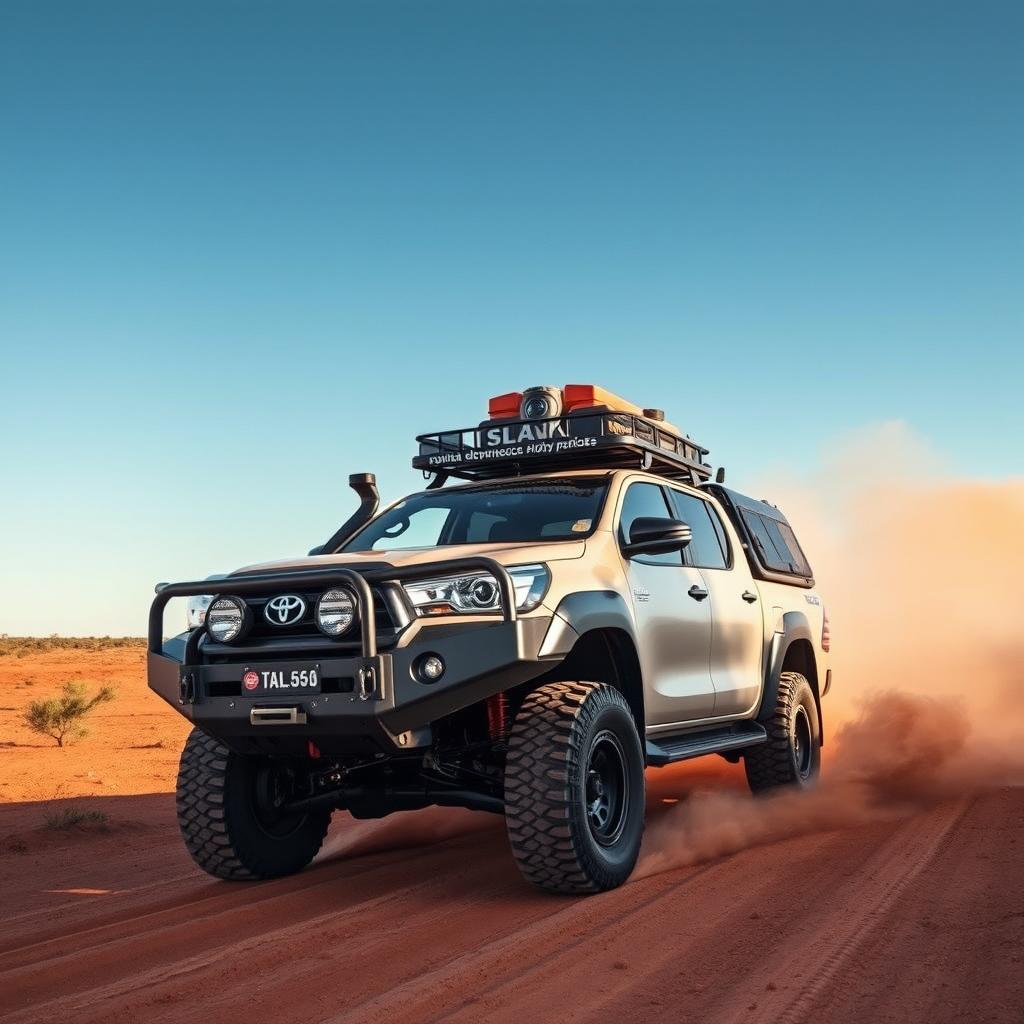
(910, 919)
(894, 892)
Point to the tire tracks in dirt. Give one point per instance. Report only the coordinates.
(449, 932)
(856, 911)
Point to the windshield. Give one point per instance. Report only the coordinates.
(520, 513)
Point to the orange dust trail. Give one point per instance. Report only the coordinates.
(920, 573)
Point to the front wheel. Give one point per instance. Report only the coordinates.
(792, 756)
(232, 816)
(574, 788)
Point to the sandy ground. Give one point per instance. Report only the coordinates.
(810, 912)
(133, 745)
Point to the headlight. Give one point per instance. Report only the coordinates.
(195, 613)
(226, 618)
(477, 592)
(335, 612)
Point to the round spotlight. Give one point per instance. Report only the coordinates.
(430, 668)
(226, 619)
(335, 612)
(540, 403)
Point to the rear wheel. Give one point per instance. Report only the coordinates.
(574, 788)
(792, 756)
(232, 816)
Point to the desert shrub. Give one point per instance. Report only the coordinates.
(61, 717)
(23, 646)
(69, 817)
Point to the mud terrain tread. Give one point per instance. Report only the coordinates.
(216, 820)
(199, 798)
(770, 765)
(541, 768)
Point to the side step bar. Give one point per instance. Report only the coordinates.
(668, 749)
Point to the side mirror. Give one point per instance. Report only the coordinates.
(657, 535)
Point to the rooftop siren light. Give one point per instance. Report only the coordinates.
(541, 403)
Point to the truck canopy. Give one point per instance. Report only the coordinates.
(770, 544)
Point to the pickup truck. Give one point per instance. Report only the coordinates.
(571, 601)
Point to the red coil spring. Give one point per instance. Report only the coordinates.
(497, 717)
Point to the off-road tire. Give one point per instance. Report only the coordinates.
(549, 769)
(792, 756)
(221, 826)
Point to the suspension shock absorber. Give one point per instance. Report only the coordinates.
(498, 717)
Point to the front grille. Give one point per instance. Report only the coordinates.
(306, 626)
(265, 641)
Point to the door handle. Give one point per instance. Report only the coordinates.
(697, 593)
(748, 597)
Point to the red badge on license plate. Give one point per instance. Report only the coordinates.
(251, 680)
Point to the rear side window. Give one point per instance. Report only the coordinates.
(705, 551)
(777, 546)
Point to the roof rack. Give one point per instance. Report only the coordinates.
(588, 439)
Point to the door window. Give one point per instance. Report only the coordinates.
(645, 500)
(705, 550)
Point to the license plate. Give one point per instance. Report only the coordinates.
(291, 680)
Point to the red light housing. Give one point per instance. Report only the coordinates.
(505, 406)
(579, 396)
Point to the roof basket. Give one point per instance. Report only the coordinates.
(588, 439)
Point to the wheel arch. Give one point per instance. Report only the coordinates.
(593, 631)
(792, 650)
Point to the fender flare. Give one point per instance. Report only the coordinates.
(600, 613)
(581, 613)
(794, 627)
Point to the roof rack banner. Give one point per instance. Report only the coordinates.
(592, 439)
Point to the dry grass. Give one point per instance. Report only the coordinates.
(24, 646)
(73, 817)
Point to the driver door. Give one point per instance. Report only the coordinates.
(673, 625)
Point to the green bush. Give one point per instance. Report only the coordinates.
(61, 717)
(70, 817)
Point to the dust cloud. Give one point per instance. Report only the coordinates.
(921, 573)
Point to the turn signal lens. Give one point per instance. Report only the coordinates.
(826, 633)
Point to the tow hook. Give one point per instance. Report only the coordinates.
(187, 688)
(367, 682)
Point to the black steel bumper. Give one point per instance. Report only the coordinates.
(374, 696)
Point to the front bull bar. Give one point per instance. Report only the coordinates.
(357, 582)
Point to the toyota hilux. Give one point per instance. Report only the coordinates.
(572, 599)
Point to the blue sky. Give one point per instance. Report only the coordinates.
(247, 248)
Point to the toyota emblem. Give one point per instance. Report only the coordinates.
(284, 610)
